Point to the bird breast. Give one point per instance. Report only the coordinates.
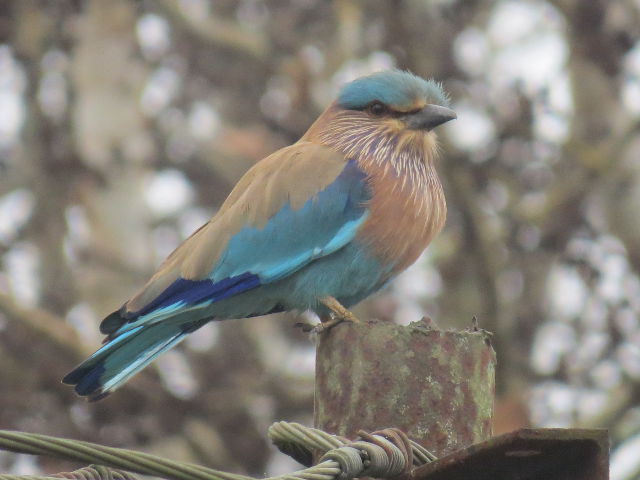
(407, 210)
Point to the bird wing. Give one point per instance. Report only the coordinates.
(299, 204)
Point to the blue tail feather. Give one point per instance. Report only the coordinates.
(125, 355)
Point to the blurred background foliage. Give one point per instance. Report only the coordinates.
(124, 124)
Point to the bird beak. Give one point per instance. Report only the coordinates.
(429, 117)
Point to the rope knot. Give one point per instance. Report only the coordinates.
(395, 446)
(387, 453)
(349, 458)
(381, 454)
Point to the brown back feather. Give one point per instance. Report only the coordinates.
(292, 175)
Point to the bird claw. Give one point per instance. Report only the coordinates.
(324, 326)
(317, 328)
(335, 319)
(304, 326)
(338, 312)
(348, 317)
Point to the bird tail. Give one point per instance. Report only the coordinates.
(125, 355)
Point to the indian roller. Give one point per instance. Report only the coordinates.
(318, 225)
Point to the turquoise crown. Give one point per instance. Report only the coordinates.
(391, 87)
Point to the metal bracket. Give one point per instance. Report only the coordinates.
(527, 454)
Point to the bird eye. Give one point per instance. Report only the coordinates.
(377, 109)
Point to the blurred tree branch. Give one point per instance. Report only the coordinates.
(211, 30)
(52, 327)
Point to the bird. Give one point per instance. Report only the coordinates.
(318, 225)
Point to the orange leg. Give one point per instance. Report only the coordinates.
(338, 310)
(338, 314)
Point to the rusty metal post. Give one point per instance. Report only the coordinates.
(435, 385)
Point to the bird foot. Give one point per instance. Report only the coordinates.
(339, 311)
(324, 325)
(338, 314)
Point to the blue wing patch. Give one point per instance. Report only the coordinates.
(293, 238)
(290, 240)
(191, 292)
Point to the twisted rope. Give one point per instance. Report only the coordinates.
(382, 454)
(290, 437)
(92, 472)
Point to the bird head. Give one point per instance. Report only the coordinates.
(390, 108)
(398, 99)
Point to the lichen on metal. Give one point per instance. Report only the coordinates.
(436, 385)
